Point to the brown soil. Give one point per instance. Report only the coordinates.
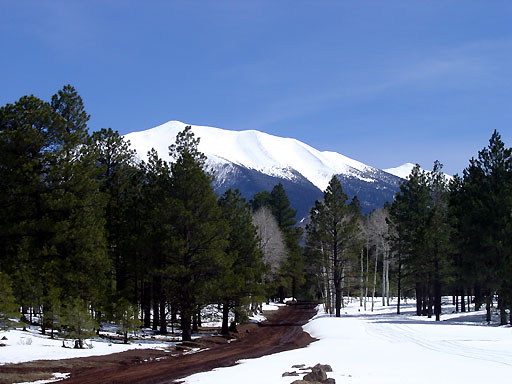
(281, 332)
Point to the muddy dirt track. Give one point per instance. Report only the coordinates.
(282, 332)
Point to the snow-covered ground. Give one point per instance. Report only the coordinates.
(32, 345)
(362, 347)
(22, 346)
(382, 347)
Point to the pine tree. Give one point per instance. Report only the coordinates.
(116, 171)
(242, 274)
(200, 233)
(77, 243)
(26, 144)
(52, 309)
(8, 307)
(127, 317)
(484, 223)
(159, 231)
(421, 235)
(78, 322)
(335, 226)
(438, 234)
(292, 273)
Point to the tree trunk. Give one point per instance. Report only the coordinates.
(280, 291)
(488, 308)
(338, 301)
(336, 277)
(225, 318)
(478, 298)
(375, 276)
(186, 331)
(361, 280)
(156, 314)
(146, 305)
(419, 296)
(387, 276)
(163, 316)
(430, 304)
(384, 261)
(399, 285)
(174, 316)
(503, 312)
(367, 276)
(195, 329)
(342, 285)
(437, 300)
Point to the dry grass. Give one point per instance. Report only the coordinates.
(20, 377)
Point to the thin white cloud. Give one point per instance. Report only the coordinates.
(484, 63)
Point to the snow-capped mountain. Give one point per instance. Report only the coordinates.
(253, 161)
(404, 170)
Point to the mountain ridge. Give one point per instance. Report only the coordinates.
(253, 161)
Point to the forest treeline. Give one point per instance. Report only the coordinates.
(90, 233)
(439, 237)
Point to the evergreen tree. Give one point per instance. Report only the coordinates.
(410, 211)
(8, 307)
(159, 231)
(484, 223)
(438, 235)
(127, 317)
(243, 271)
(292, 273)
(78, 322)
(52, 309)
(200, 233)
(421, 235)
(77, 243)
(335, 226)
(26, 144)
(260, 199)
(116, 162)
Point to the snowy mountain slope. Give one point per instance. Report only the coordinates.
(404, 170)
(271, 155)
(253, 161)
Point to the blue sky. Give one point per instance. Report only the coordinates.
(383, 82)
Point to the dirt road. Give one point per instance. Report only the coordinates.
(282, 332)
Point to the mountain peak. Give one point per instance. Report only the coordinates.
(255, 150)
(403, 171)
